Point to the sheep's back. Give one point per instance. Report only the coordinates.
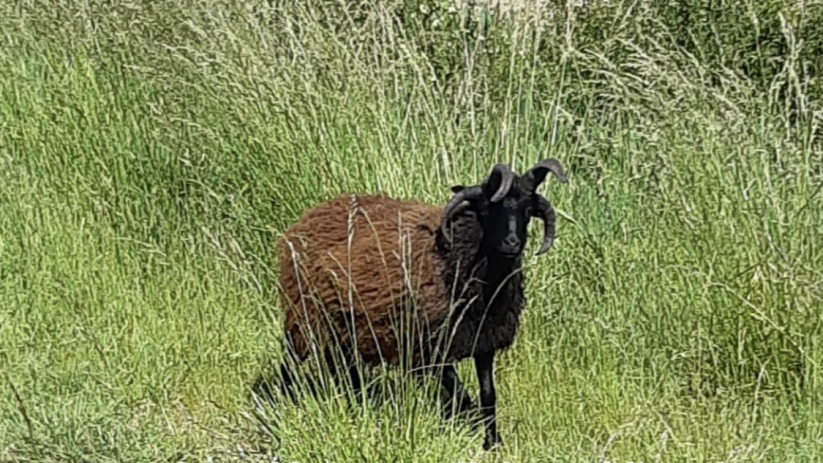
(362, 259)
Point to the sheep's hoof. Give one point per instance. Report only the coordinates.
(467, 415)
(492, 442)
(464, 411)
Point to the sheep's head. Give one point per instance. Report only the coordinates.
(504, 205)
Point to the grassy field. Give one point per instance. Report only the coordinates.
(151, 151)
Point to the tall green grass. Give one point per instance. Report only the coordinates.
(150, 152)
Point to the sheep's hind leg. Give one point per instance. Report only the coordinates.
(262, 386)
(350, 365)
(287, 377)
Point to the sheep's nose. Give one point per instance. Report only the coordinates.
(512, 242)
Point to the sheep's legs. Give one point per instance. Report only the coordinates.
(287, 378)
(483, 365)
(262, 386)
(449, 380)
(455, 390)
(350, 367)
(287, 381)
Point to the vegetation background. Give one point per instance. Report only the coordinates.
(151, 150)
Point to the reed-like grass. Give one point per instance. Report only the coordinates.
(151, 151)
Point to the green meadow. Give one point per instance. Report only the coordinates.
(151, 152)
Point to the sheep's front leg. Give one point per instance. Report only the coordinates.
(484, 365)
(455, 390)
(452, 386)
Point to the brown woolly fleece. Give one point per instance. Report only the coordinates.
(387, 243)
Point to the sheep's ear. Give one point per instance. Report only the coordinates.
(458, 188)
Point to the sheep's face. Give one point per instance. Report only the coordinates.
(504, 205)
(505, 223)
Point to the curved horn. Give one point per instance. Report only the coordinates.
(504, 177)
(545, 212)
(537, 174)
(458, 202)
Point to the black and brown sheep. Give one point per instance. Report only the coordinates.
(352, 267)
